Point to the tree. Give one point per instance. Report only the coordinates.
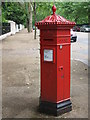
(35, 19)
(13, 11)
(74, 11)
(0, 20)
(21, 13)
(28, 7)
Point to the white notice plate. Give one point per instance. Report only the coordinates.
(48, 55)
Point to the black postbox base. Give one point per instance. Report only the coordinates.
(55, 108)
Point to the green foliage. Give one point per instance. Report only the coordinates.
(77, 12)
(3, 18)
(74, 11)
(43, 10)
(13, 11)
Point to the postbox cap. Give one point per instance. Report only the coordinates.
(54, 19)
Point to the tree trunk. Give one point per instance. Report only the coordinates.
(0, 20)
(35, 19)
(28, 25)
(89, 16)
(76, 18)
(29, 16)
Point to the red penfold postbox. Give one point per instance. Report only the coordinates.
(55, 64)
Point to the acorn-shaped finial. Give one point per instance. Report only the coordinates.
(54, 9)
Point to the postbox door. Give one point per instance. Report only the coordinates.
(66, 71)
(60, 73)
(63, 82)
(48, 74)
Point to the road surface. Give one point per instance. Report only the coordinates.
(79, 49)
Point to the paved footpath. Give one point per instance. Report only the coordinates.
(21, 80)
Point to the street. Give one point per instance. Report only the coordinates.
(79, 50)
(21, 77)
(44, 69)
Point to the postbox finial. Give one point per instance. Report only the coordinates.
(54, 9)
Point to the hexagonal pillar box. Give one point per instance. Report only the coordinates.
(55, 64)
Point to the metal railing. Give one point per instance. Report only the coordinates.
(5, 28)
